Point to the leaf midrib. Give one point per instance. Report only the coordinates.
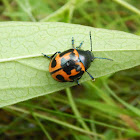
(39, 55)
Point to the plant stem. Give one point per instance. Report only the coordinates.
(42, 127)
(128, 6)
(55, 121)
(27, 9)
(130, 107)
(102, 95)
(75, 110)
(69, 6)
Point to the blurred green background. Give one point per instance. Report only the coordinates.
(108, 108)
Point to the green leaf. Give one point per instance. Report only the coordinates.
(24, 71)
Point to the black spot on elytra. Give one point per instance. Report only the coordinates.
(55, 71)
(61, 78)
(53, 64)
(69, 65)
(65, 52)
(77, 76)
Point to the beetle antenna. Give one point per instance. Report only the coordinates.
(90, 40)
(103, 58)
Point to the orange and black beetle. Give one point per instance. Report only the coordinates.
(70, 65)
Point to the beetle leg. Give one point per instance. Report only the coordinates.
(54, 54)
(77, 81)
(46, 55)
(79, 47)
(72, 42)
(50, 57)
(90, 76)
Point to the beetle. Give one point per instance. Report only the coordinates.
(70, 65)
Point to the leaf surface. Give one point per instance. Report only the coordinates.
(24, 71)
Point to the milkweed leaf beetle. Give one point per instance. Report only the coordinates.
(70, 65)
